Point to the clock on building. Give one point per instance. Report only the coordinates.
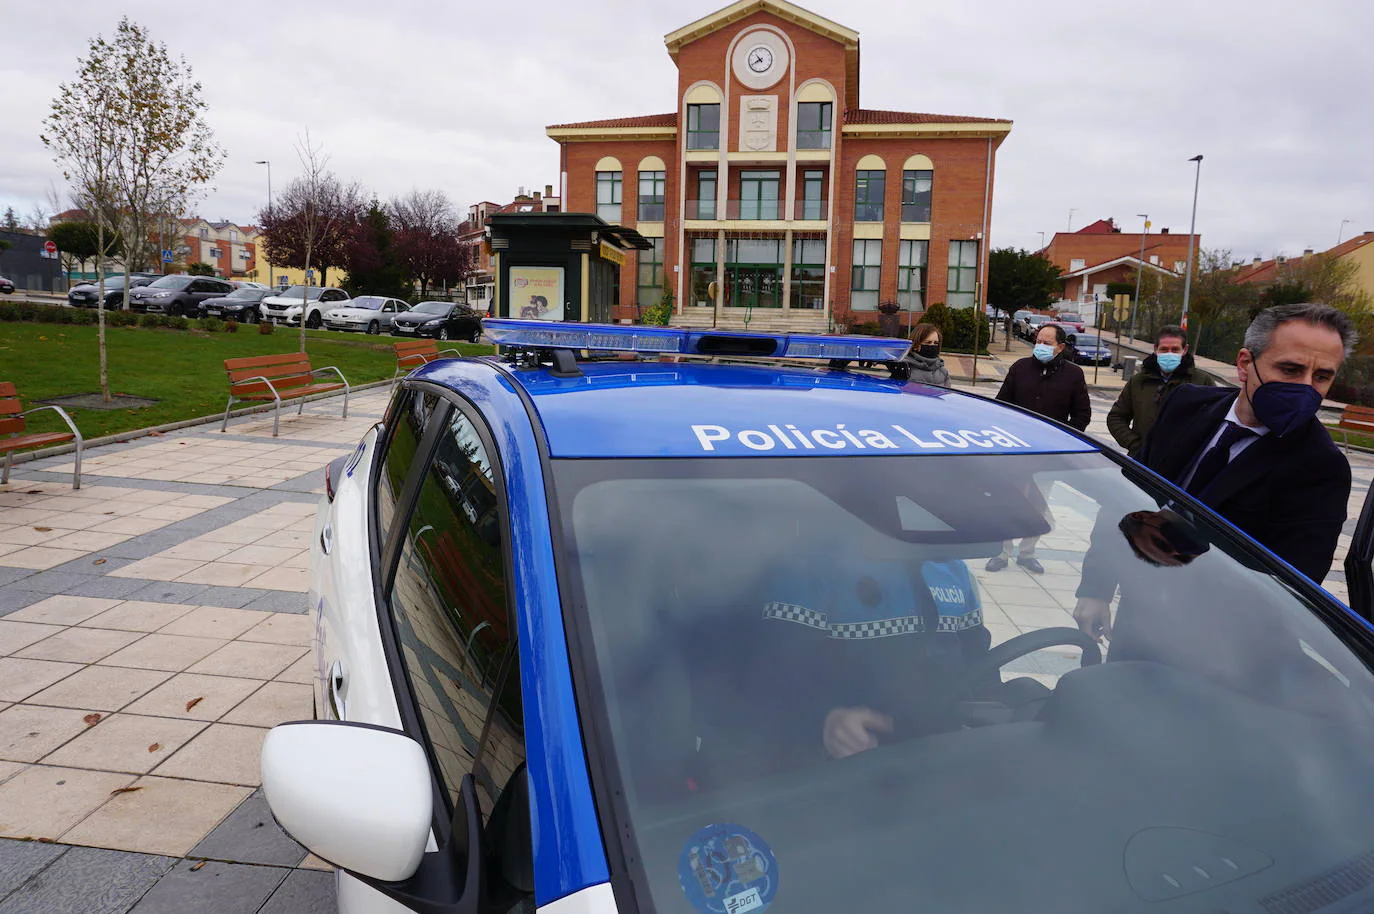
(760, 58)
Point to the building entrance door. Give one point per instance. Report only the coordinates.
(753, 286)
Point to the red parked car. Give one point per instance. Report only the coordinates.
(1072, 322)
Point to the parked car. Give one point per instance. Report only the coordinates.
(248, 284)
(1032, 324)
(441, 320)
(1016, 320)
(285, 307)
(6, 286)
(585, 632)
(368, 313)
(1070, 319)
(177, 295)
(87, 294)
(1089, 349)
(239, 305)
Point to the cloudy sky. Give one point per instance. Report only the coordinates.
(1110, 99)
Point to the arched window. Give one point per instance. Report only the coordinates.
(870, 185)
(609, 180)
(918, 183)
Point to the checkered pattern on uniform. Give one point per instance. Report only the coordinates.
(878, 628)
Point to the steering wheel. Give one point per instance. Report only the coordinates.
(1015, 648)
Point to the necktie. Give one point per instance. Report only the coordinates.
(1215, 460)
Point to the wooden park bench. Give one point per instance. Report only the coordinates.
(411, 354)
(12, 437)
(278, 377)
(1356, 419)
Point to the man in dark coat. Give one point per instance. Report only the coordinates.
(1049, 383)
(1258, 456)
(1170, 366)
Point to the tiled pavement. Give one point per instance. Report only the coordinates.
(152, 628)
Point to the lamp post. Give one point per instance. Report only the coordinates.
(1192, 235)
(1070, 225)
(1042, 241)
(271, 280)
(1139, 272)
(1341, 234)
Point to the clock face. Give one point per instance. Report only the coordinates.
(760, 59)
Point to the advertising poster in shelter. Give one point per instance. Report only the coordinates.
(536, 293)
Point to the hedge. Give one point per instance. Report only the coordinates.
(52, 314)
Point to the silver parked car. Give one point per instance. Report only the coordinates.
(368, 313)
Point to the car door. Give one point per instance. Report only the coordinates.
(449, 624)
(388, 313)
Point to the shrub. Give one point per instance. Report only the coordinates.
(9, 312)
(939, 315)
(658, 315)
(177, 323)
(210, 324)
(266, 328)
(964, 324)
(231, 326)
(151, 321)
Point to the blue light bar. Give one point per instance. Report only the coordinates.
(693, 341)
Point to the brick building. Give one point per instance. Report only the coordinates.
(1100, 253)
(472, 233)
(771, 186)
(230, 248)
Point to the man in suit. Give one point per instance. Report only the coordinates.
(1258, 456)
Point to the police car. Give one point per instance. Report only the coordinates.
(636, 619)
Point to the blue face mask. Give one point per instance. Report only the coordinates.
(1043, 351)
(1284, 406)
(1169, 361)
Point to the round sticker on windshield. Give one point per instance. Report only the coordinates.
(727, 869)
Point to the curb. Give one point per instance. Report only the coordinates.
(132, 434)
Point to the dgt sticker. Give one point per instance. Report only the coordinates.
(727, 869)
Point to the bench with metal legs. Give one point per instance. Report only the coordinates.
(276, 378)
(12, 416)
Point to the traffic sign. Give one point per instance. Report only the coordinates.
(1122, 307)
(166, 256)
(50, 247)
(309, 276)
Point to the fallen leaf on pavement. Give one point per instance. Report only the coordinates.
(154, 747)
(91, 719)
(197, 866)
(99, 561)
(43, 529)
(119, 790)
(193, 702)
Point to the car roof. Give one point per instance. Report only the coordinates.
(633, 409)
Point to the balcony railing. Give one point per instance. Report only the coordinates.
(868, 212)
(701, 209)
(752, 210)
(813, 139)
(609, 212)
(810, 209)
(703, 139)
(915, 212)
(650, 212)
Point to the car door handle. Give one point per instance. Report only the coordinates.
(336, 684)
(327, 539)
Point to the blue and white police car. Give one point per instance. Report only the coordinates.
(642, 619)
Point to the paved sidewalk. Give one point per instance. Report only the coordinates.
(152, 629)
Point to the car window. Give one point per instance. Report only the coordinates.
(1231, 713)
(201, 285)
(333, 295)
(405, 423)
(453, 622)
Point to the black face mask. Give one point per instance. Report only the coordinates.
(928, 350)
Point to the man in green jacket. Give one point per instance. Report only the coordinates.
(1169, 367)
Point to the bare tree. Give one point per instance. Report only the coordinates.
(311, 222)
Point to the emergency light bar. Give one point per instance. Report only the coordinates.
(691, 341)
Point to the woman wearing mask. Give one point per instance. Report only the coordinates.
(924, 358)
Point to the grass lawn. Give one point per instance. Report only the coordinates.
(1356, 439)
(182, 369)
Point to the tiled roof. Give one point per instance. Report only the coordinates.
(874, 116)
(647, 120)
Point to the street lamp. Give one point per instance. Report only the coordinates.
(1042, 241)
(1139, 271)
(1341, 234)
(1192, 236)
(271, 280)
(1071, 212)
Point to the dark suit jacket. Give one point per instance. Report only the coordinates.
(1289, 493)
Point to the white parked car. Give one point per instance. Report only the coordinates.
(368, 313)
(285, 307)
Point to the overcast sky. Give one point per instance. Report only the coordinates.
(1110, 99)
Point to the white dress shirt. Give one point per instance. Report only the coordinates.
(1236, 448)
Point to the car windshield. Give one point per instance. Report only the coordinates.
(170, 282)
(793, 669)
(431, 307)
(1038, 318)
(1085, 339)
(299, 291)
(246, 294)
(367, 303)
(1069, 317)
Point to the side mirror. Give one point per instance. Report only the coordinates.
(356, 795)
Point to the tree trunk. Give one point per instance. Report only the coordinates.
(305, 295)
(100, 313)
